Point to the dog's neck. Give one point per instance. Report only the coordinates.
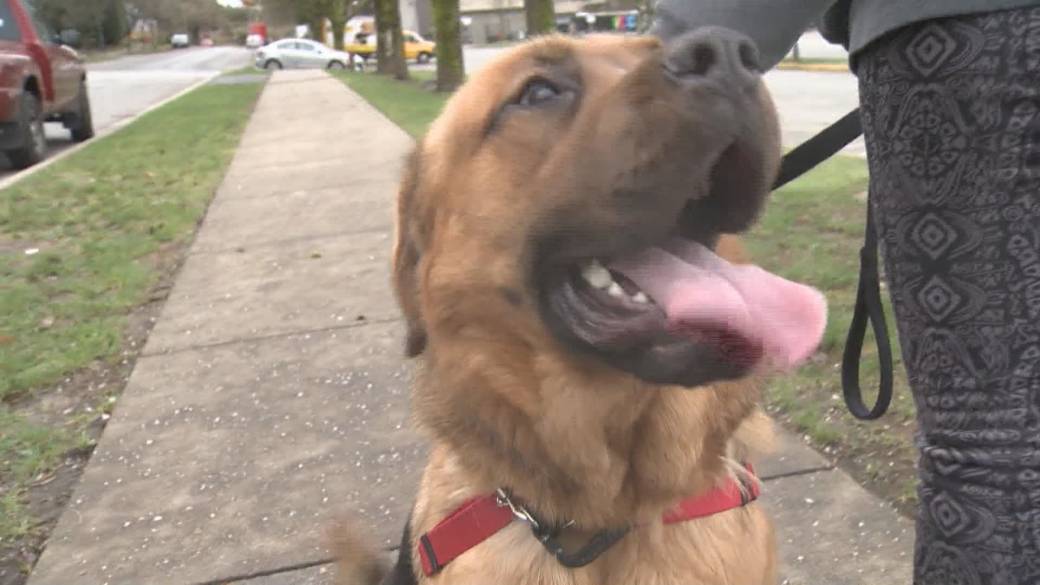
(598, 448)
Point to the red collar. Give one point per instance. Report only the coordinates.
(478, 519)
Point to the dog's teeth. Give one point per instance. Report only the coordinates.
(640, 297)
(615, 290)
(595, 274)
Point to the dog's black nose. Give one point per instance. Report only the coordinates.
(716, 54)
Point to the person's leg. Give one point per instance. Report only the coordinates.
(951, 112)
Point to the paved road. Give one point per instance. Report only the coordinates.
(812, 45)
(124, 87)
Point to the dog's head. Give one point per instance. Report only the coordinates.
(569, 197)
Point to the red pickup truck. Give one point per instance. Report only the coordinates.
(40, 80)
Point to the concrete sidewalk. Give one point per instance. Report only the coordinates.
(272, 394)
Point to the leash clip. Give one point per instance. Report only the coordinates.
(519, 512)
(547, 535)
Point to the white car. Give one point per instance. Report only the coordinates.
(254, 41)
(180, 41)
(304, 54)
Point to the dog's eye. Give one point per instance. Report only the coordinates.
(537, 92)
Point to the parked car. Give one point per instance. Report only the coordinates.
(304, 54)
(180, 41)
(415, 47)
(418, 48)
(40, 80)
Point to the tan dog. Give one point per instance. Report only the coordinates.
(583, 348)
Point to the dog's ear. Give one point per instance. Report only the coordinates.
(407, 253)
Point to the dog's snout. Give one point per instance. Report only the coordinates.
(714, 53)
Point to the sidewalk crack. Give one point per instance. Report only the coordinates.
(267, 572)
(353, 325)
(283, 241)
(799, 472)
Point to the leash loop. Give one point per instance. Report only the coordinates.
(868, 307)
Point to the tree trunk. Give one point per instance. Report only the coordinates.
(541, 17)
(115, 25)
(451, 71)
(317, 26)
(382, 49)
(390, 43)
(338, 17)
(339, 26)
(398, 61)
(100, 34)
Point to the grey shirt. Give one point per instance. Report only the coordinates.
(776, 24)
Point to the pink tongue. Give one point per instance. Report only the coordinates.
(701, 293)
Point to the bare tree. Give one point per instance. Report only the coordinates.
(101, 22)
(314, 13)
(190, 16)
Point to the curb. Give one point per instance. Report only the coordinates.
(816, 67)
(116, 127)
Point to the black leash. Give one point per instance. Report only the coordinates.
(591, 551)
(868, 307)
(819, 148)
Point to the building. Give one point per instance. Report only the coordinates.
(417, 16)
(490, 21)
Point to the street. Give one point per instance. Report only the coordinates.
(124, 87)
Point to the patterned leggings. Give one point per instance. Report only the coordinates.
(951, 111)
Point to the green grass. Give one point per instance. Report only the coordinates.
(408, 104)
(99, 220)
(811, 232)
(248, 70)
